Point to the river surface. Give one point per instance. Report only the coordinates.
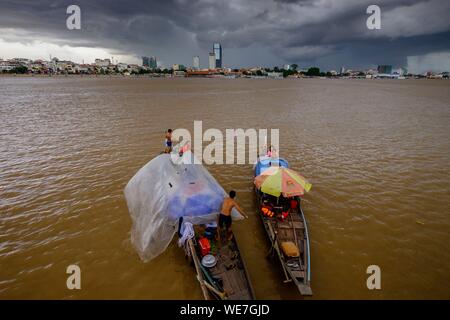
(376, 151)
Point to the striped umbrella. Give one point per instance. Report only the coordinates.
(278, 181)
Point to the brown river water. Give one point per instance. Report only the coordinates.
(376, 151)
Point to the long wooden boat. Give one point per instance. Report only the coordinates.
(229, 278)
(293, 229)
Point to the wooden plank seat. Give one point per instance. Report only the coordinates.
(288, 225)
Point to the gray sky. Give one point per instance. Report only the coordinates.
(326, 33)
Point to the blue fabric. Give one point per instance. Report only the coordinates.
(265, 163)
(206, 200)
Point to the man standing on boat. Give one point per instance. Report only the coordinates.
(225, 214)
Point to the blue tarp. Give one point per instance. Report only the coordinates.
(267, 162)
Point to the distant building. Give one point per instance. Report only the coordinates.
(7, 65)
(196, 63)
(149, 62)
(67, 65)
(82, 68)
(153, 64)
(121, 67)
(287, 67)
(217, 49)
(21, 61)
(400, 71)
(179, 73)
(102, 62)
(178, 67)
(275, 75)
(385, 69)
(342, 70)
(212, 60)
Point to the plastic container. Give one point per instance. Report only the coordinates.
(205, 246)
(209, 261)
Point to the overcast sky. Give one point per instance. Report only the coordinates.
(327, 33)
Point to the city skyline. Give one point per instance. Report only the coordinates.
(414, 35)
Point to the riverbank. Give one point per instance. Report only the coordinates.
(168, 76)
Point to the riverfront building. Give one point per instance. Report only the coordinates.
(212, 60)
(149, 62)
(101, 62)
(152, 63)
(145, 61)
(385, 69)
(196, 63)
(217, 49)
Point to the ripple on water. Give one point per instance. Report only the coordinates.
(378, 166)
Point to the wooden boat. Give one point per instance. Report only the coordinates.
(293, 229)
(229, 278)
(172, 187)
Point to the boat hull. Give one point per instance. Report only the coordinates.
(295, 231)
(292, 229)
(228, 279)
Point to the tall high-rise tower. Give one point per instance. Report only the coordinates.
(152, 63)
(217, 49)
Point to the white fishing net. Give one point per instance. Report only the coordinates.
(165, 189)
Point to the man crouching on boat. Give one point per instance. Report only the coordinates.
(225, 214)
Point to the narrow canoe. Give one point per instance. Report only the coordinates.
(228, 279)
(292, 229)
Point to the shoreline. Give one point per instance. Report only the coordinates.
(182, 77)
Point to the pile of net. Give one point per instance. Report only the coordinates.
(168, 188)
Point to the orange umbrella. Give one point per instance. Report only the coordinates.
(278, 181)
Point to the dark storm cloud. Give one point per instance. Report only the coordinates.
(330, 32)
